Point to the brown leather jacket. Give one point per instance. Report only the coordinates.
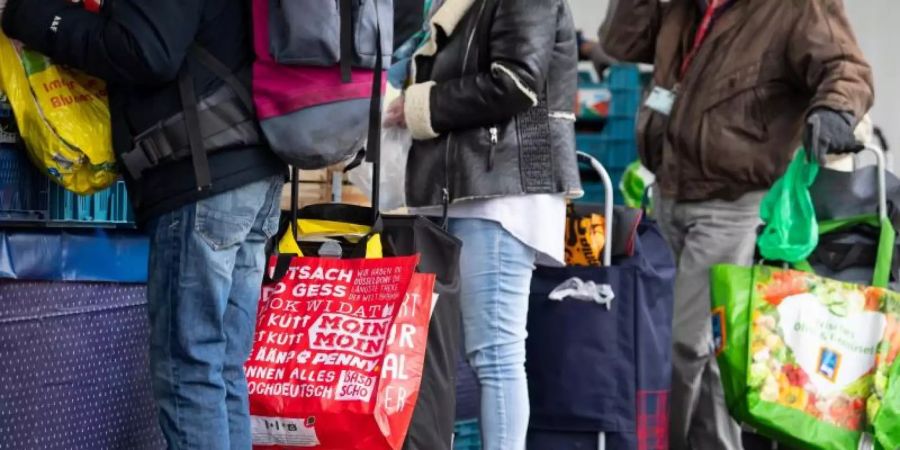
(741, 106)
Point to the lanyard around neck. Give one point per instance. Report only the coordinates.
(703, 30)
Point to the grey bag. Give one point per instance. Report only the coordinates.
(849, 255)
(308, 138)
(346, 32)
(838, 194)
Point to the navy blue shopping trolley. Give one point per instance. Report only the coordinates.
(599, 346)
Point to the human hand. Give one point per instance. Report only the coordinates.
(395, 116)
(829, 132)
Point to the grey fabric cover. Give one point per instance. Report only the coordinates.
(308, 139)
(308, 34)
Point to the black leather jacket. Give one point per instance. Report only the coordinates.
(491, 109)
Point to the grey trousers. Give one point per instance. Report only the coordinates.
(701, 235)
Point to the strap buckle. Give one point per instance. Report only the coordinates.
(147, 153)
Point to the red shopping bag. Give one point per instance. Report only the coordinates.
(339, 353)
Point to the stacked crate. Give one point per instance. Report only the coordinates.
(28, 198)
(616, 145)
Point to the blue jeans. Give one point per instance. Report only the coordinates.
(496, 280)
(206, 267)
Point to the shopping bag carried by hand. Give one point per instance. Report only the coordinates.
(787, 210)
(63, 117)
(339, 353)
(808, 360)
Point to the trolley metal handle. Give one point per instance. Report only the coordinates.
(607, 207)
(881, 162)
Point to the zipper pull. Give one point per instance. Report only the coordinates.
(445, 208)
(495, 138)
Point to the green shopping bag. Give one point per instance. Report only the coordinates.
(808, 361)
(887, 419)
(787, 210)
(635, 182)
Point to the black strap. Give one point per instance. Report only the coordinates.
(373, 150)
(283, 261)
(282, 264)
(192, 124)
(347, 40)
(224, 124)
(220, 70)
(357, 161)
(295, 199)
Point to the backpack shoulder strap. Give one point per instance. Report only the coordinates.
(222, 71)
(346, 31)
(189, 103)
(373, 143)
(192, 125)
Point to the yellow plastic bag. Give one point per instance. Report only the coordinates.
(63, 117)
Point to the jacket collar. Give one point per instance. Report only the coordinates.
(445, 20)
(734, 15)
(678, 37)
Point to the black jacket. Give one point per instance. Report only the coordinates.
(139, 47)
(492, 105)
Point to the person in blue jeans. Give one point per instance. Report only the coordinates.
(490, 108)
(206, 267)
(208, 222)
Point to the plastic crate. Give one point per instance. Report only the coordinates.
(107, 207)
(467, 435)
(593, 189)
(620, 129)
(627, 89)
(611, 152)
(23, 191)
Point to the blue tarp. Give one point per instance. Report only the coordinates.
(86, 255)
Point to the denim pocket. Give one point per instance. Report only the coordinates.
(270, 228)
(222, 228)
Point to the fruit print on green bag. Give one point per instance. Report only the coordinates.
(822, 347)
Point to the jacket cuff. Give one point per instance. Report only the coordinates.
(36, 23)
(839, 104)
(417, 110)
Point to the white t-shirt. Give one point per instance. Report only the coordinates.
(537, 220)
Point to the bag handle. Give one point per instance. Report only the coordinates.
(608, 204)
(373, 145)
(888, 235)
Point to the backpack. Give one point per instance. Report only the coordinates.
(312, 115)
(317, 79)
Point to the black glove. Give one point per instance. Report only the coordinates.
(829, 132)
